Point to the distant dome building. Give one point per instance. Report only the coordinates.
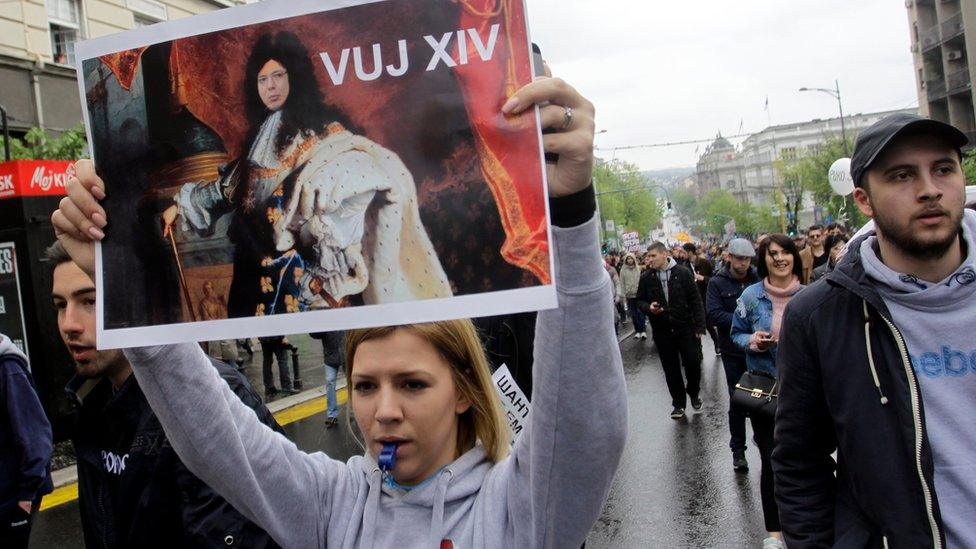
(719, 168)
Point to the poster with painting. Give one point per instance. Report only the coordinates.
(295, 166)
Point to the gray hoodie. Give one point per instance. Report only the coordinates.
(937, 320)
(664, 275)
(547, 493)
(630, 277)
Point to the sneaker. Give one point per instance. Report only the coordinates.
(696, 403)
(739, 462)
(270, 393)
(290, 391)
(331, 422)
(773, 543)
(677, 413)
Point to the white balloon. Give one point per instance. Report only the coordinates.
(840, 178)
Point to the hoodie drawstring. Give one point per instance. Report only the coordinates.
(437, 517)
(372, 507)
(867, 340)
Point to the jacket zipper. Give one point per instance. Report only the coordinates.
(913, 385)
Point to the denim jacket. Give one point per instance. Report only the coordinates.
(753, 313)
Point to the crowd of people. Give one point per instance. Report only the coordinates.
(854, 346)
(890, 301)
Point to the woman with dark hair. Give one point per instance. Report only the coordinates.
(755, 329)
(300, 197)
(834, 247)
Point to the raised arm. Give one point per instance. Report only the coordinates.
(562, 467)
(220, 440)
(560, 473)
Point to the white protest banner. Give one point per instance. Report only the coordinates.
(514, 401)
(298, 165)
(631, 241)
(730, 228)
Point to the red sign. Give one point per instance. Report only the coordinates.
(34, 177)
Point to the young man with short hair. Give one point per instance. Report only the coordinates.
(667, 294)
(814, 254)
(133, 490)
(703, 271)
(876, 364)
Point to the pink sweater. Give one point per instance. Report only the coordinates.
(780, 297)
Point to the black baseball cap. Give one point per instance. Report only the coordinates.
(873, 141)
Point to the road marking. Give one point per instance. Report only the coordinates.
(306, 409)
(60, 496)
(69, 492)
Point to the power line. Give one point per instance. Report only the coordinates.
(670, 144)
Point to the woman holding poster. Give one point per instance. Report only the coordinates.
(436, 471)
(322, 216)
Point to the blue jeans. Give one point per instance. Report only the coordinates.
(636, 315)
(330, 391)
(735, 366)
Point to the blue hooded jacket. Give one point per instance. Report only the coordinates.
(25, 433)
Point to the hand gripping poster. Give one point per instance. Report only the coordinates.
(295, 166)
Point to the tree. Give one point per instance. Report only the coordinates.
(626, 196)
(685, 203)
(38, 145)
(794, 183)
(969, 166)
(810, 174)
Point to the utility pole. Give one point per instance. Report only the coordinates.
(835, 93)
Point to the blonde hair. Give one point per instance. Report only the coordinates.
(458, 344)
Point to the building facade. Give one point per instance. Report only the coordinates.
(748, 172)
(943, 67)
(720, 167)
(37, 75)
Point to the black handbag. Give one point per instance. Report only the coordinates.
(756, 393)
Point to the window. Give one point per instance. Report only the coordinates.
(141, 21)
(65, 28)
(788, 153)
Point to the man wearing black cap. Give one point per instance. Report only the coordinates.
(879, 364)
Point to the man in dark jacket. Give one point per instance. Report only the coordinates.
(877, 361)
(724, 290)
(25, 448)
(133, 490)
(510, 340)
(667, 294)
(703, 270)
(334, 359)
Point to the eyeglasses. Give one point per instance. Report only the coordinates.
(277, 77)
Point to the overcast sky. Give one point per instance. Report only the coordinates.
(663, 71)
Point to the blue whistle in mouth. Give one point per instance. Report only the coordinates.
(387, 459)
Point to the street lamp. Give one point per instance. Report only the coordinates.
(835, 93)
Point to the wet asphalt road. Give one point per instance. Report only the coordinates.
(675, 486)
